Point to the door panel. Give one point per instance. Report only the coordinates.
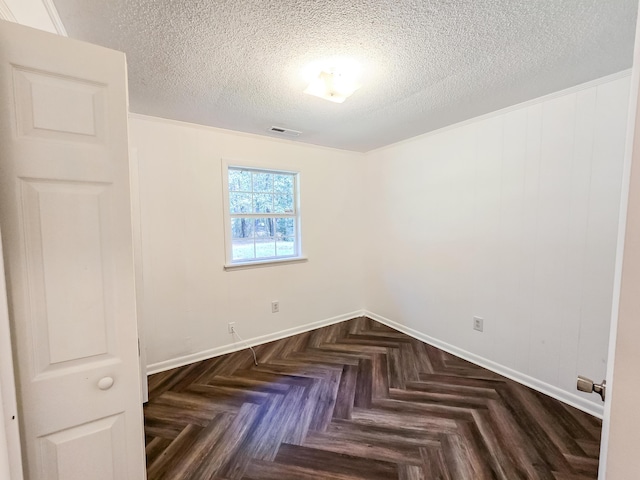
(66, 231)
(66, 219)
(91, 451)
(55, 106)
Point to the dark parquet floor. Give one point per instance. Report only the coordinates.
(358, 400)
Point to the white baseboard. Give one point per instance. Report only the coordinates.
(543, 387)
(237, 346)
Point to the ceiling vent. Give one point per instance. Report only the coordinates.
(285, 132)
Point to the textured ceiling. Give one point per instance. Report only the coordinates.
(426, 64)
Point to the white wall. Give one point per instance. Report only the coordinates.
(512, 217)
(188, 297)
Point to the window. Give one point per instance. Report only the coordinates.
(263, 215)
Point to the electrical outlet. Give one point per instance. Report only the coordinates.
(478, 323)
(231, 326)
(275, 307)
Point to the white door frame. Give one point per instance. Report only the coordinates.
(10, 453)
(134, 171)
(619, 458)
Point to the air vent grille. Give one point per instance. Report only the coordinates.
(286, 132)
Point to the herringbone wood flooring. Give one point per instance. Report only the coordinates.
(358, 400)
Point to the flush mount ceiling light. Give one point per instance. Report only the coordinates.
(333, 85)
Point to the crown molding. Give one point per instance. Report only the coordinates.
(54, 16)
(5, 12)
(41, 10)
(496, 113)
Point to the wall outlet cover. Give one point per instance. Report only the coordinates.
(478, 324)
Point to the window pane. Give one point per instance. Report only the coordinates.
(286, 248)
(264, 228)
(243, 249)
(262, 182)
(265, 248)
(283, 203)
(283, 183)
(254, 193)
(239, 180)
(240, 202)
(262, 203)
(241, 228)
(285, 229)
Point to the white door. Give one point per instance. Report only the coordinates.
(66, 220)
(619, 458)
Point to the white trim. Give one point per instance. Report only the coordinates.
(235, 347)
(264, 263)
(237, 133)
(226, 218)
(55, 17)
(538, 385)
(495, 113)
(136, 231)
(265, 166)
(267, 163)
(510, 108)
(10, 450)
(6, 13)
(543, 387)
(40, 14)
(623, 263)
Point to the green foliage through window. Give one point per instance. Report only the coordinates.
(263, 213)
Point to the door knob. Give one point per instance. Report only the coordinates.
(105, 383)
(587, 385)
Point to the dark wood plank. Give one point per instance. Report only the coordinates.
(358, 400)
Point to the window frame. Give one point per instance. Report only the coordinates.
(260, 167)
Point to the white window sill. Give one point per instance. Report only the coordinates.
(264, 263)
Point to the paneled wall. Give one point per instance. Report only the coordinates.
(512, 218)
(188, 299)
